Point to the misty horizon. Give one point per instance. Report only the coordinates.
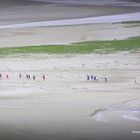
(6, 3)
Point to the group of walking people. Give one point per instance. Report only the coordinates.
(6, 76)
(32, 77)
(28, 76)
(94, 78)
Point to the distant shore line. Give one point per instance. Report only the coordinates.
(79, 21)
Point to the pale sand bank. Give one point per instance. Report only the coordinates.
(62, 106)
(66, 34)
(79, 21)
(24, 15)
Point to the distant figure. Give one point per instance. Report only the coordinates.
(0, 75)
(88, 78)
(20, 75)
(44, 77)
(26, 76)
(92, 77)
(95, 78)
(135, 80)
(33, 77)
(7, 76)
(105, 79)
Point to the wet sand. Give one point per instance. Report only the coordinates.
(66, 105)
(26, 14)
(66, 34)
(37, 35)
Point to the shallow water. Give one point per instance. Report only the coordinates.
(90, 20)
(95, 2)
(73, 2)
(129, 110)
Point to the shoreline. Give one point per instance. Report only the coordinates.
(80, 21)
(64, 24)
(27, 14)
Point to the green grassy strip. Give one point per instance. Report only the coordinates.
(130, 22)
(78, 48)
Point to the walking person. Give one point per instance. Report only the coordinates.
(88, 78)
(33, 77)
(92, 77)
(0, 75)
(26, 76)
(7, 76)
(44, 77)
(20, 75)
(135, 80)
(105, 79)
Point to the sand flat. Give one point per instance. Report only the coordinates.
(66, 34)
(38, 14)
(66, 106)
(62, 107)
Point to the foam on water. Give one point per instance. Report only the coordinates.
(129, 110)
(133, 115)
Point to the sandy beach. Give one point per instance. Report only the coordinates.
(67, 34)
(41, 23)
(67, 106)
